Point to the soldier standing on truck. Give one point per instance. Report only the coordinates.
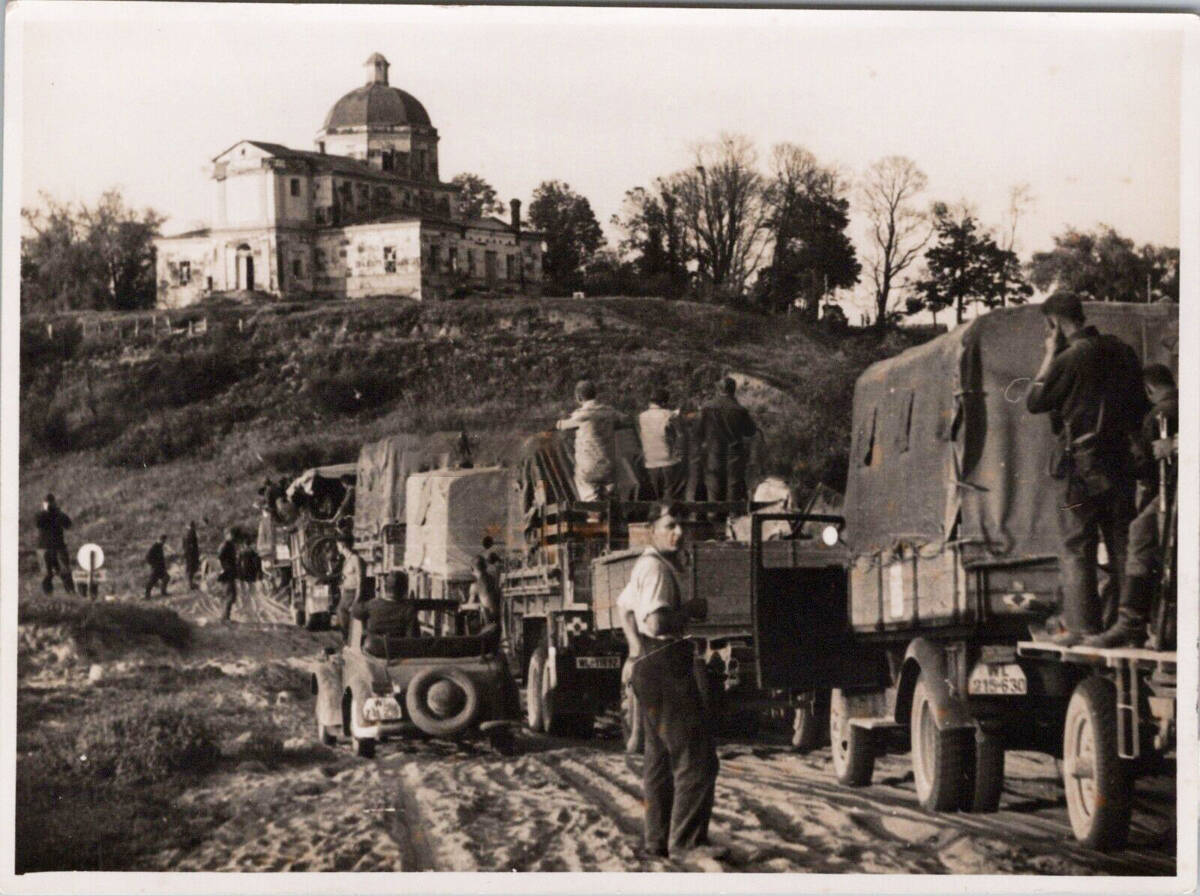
(658, 427)
(1142, 559)
(595, 423)
(726, 429)
(1087, 382)
(679, 773)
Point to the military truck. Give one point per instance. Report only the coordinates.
(316, 512)
(951, 525)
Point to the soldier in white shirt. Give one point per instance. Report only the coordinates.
(658, 427)
(680, 760)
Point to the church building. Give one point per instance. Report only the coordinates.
(363, 214)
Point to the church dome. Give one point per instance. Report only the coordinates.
(376, 104)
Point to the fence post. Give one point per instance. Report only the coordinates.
(239, 325)
(50, 331)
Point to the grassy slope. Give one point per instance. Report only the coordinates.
(334, 375)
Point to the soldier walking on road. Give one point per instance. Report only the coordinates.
(52, 523)
(227, 556)
(156, 558)
(726, 429)
(1089, 384)
(191, 555)
(679, 774)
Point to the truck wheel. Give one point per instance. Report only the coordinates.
(534, 711)
(631, 718)
(853, 750)
(1098, 783)
(324, 736)
(442, 701)
(809, 728)
(986, 778)
(941, 758)
(364, 747)
(555, 721)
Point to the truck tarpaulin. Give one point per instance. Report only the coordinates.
(448, 513)
(943, 450)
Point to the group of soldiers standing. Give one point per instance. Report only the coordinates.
(688, 453)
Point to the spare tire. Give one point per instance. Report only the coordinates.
(451, 708)
(320, 558)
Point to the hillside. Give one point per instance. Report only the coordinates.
(138, 432)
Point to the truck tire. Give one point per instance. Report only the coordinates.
(809, 726)
(1099, 784)
(364, 747)
(631, 717)
(534, 711)
(427, 717)
(555, 721)
(853, 750)
(986, 775)
(941, 758)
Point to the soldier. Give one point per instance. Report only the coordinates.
(1142, 558)
(726, 429)
(1086, 382)
(658, 427)
(594, 422)
(227, 556)
(52, 523)
(679, 773)
(353, 571)
(191, 554)
(156, 559)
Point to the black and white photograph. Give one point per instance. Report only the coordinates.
(632, 441)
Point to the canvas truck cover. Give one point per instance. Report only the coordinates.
(448, 513)
(942, 448)
(384, 467)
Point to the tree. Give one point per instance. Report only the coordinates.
(88, 257)
(477, 198)
(966, 266)
(654, 238)
(572, 234)
(807, 218)
(722, 210)
(899, 230)
(1106, 267)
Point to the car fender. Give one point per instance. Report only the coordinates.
(929, 657)
(326, 685)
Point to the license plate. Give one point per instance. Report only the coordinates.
(597, 662)
(997, 679)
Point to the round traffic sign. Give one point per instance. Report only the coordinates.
(90, 556)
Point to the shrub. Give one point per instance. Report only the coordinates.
(38, 348)
(159, 440)
(148, 740)
(107, 621)
(302, 454)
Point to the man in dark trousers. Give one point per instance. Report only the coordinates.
(1089, 383)
(1142, 559)
(726, 429)
(191, 554)
(156, 559)
(52, 523)
(679, 774)
(227, 556)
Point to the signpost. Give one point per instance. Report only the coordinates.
(91, 559)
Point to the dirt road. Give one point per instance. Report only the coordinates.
(564, 804)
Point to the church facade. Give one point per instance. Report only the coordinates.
(363, 214)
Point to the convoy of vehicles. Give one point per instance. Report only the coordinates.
(314, 500)
(907, 615)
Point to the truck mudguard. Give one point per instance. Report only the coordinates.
(929, 658)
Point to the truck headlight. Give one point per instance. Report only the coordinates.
(829, 535)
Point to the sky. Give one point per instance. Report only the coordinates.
(1082, 108)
